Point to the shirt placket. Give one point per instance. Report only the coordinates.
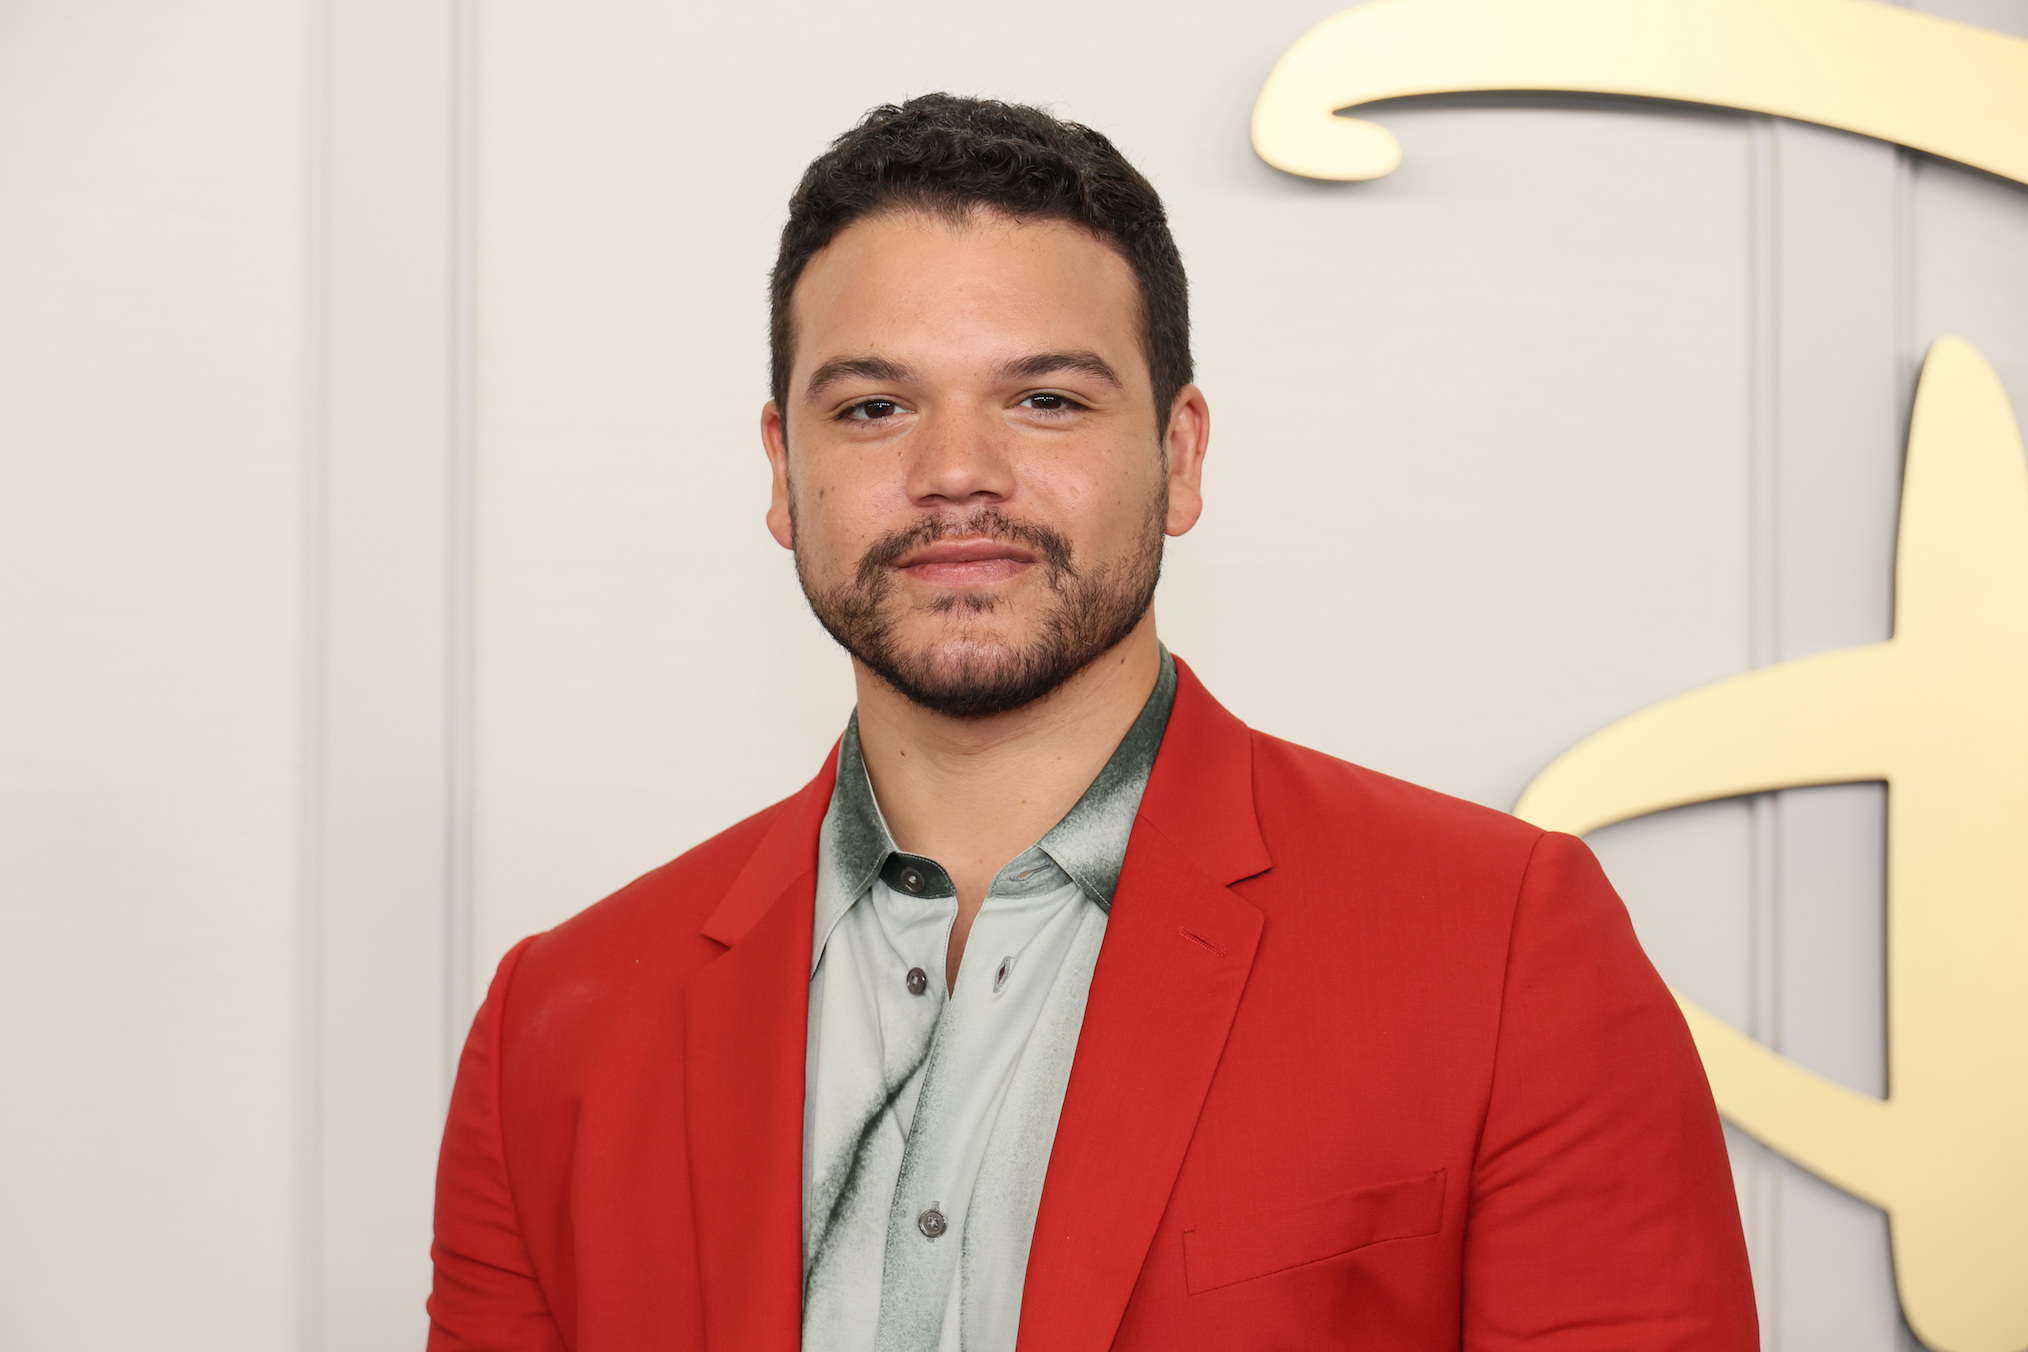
(933, 1192)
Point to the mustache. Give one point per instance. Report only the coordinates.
(988, 522)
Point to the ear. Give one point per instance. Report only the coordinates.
(1188, 436)
(775, 441)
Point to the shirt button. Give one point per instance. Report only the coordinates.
(912, 881)
(932, 1223)
(918, 981)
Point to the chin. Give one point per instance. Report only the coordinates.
(958, 659)
(949, 629)
(974, 674)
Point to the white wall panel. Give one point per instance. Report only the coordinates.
(1833, 396)
(152, 251)
(386, 650)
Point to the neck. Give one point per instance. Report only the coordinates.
(973, 793)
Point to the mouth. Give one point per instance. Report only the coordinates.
(965, 563)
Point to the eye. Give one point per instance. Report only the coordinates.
(872, 409)
(1050, 403)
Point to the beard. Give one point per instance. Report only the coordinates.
(969, 675)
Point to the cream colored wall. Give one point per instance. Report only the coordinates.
(152, 246)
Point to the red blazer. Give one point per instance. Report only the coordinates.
(1363, 1066)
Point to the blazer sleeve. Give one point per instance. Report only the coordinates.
(485, 1295)
(1602, 1214)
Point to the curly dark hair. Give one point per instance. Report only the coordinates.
(950, 156)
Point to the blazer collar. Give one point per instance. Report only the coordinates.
(1201, 792)
(1178, 949)
(746, 1027)
(787, 850)
(854, 845)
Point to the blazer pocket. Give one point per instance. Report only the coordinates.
(1270, 1242)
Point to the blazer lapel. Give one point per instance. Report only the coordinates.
(1178, 947)
(747, 1025)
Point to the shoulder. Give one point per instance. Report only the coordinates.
(1323, 827)
(673, 899)
(1310, 800)
(1362, 855)
(1396, 909)
(647, 933)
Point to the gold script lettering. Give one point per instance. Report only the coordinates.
(1858, 65)
(1939, 712)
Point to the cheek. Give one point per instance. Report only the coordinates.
(1110, 510)
(845, 483)
(830, 527)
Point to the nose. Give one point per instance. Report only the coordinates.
(959, 457)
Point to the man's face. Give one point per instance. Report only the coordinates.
(970, 468)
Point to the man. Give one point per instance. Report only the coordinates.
(1061, 1010)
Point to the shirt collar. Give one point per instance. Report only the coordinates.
(1089, 844)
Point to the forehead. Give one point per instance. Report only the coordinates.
(976, 285)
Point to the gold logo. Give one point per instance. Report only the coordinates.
(1939, 711)
(1893, 74)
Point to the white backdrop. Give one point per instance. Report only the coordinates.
(1580, 408)
(153, 240)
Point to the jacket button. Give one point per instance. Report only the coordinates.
(932, 1223)
(912, 881)
(918, 981)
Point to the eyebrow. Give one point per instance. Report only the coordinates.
(1049, 363)
(856, 368)
(1033, 367)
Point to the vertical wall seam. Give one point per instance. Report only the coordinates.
(1762, 1201)
(311, 655)
(1907, 344)
(389, 802)
(462, 694)
(1909, 366)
